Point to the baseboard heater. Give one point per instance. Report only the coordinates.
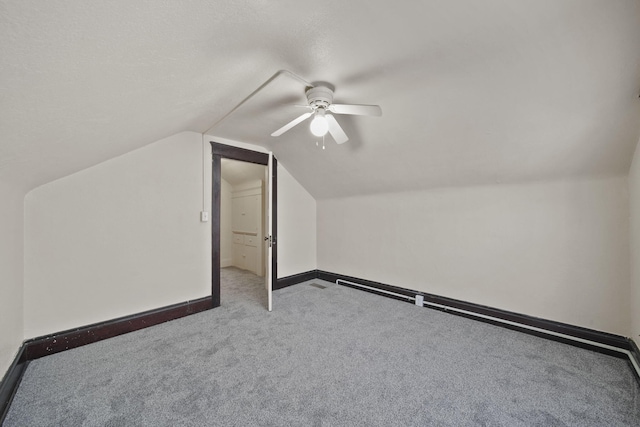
(421, 302)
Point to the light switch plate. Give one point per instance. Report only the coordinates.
(204, 216)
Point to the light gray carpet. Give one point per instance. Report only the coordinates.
(325, 357)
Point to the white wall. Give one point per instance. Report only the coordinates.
(124, 236)
(11, 273)
(557, 250)
(226, 235)
(296, 226)
(118, 238)
(634, 202)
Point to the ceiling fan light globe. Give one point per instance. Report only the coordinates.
(319, 126)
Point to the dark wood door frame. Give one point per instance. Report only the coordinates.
(220, 151)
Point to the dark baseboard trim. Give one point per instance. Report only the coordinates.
(294, 279)
(380, 288)
(520, 322)
(11, 381)
(635, 355)
(65, 340)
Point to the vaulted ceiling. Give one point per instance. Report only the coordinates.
(472, 92)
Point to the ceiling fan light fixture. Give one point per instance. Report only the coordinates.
(319, 125)
(320, 98)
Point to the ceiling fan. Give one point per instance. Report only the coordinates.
(320, 98)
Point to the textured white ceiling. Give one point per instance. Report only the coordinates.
(472, 92)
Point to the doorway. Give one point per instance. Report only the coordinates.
(243, 216)
(220, 152)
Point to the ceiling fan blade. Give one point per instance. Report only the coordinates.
(356, 109)
(335, 130)
(291, 124)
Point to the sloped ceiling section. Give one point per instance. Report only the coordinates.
(472, 92)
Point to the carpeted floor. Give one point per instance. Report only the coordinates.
(325, 357)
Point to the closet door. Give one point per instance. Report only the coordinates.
(251, 254)
(238, 248)
(253, 213)
(237, 207)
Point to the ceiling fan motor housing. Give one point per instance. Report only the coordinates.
(319, 97)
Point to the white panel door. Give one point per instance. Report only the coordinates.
(268, 232)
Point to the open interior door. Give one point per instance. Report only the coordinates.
(269, 234)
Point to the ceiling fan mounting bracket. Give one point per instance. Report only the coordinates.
(319, 97)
